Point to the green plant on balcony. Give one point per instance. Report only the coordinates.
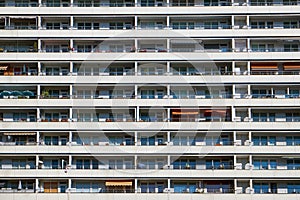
(45, 94)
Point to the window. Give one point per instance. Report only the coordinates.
(290, 47)
(84, 25)
(264, 164)
(51, 140)
(184, 164)
(83, 164)
(82, 187)
(293, 188)
(211, 25)
(290, 24)
(20, 117)
(293, 140)
(52, 164)
(116, 25)
(52, 25)
(261, 188)
(18, 164)
(293, 164)
(261, 24)
(115, 164)
(185, 187)
(260, 140)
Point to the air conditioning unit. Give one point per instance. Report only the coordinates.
(248, 166)
(249, 190)
(239, 190)
(238, 142)
(247, 143)
(238, 166)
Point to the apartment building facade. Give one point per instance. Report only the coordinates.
(136, 99)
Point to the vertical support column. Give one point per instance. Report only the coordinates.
(71, 114)
(232, 21)
(71, 67)
(136, 91)
(234, 161)
(71, 91)
(248, 44)
(168, 90)
(169, 137)
(168, 3)
(233, 68)
(288, 90)
(71, 45)
(251, 185)
(136, 3)
(135, 185)
(135, 69)
(250, 160)
(38, 115)
(233, 91)
(135, 25)
(8, 21)
(169, 184)
(234, 136)
(71, 22)
(169, 114)
(272, 91)
(40, 3)
(70, 138)
(248, 68)
(169, 161)
(69, 184)
(168, 22)
(39, 22)
(37, 158)
(137, 114)
(136, 44)
(249, 113)
(233, 45)
(168, 45)
(37, 138)
(71, 2)
(135, 138)
(36, 185)
(70, 160)
(39, 47)
(38, 91)
(135, 161)
(168, 67)
(250, 136)
(248, 89)
(39, 68)
(248, 20)
(235, 185)
(232, 113)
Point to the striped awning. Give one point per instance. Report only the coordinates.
(264, 67)
(118, 183)
(185, 113)
(216, 111)
(20, 133)
(3, 68)
(291, 67)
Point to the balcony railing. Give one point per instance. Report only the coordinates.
(150, 4)
(152, 50)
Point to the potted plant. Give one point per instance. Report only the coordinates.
(45, 94)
